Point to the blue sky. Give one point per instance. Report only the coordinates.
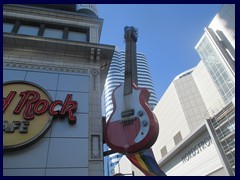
(168, 34)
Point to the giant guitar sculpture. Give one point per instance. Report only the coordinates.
(132, 126)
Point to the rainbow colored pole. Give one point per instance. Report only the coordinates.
(145, 161)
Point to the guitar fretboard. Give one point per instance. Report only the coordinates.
(130, 75)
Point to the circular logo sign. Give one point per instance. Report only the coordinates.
(25, 114)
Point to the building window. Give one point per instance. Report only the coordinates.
(77, 36)
(164, 151)
(53, 33)
(218, 72)
(177, 138)
(7, 27)
(28, 30)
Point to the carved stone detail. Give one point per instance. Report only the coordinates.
(44, 67)
(95, 55)
(94, 73)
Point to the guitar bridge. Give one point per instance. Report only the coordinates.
(128, 121)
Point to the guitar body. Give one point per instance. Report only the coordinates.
(132, 126)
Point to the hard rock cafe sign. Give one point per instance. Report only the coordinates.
(28, 112)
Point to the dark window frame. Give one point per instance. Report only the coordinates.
(42, 25)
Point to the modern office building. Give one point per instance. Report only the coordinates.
(196, 114)
(114, 78)
(54, 71)
(186, 144)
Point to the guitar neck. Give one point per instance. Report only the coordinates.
(127, 78)
(130, 75)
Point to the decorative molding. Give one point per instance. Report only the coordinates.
(94, 73)
(44, 67)
(92, 54)
(95, 146)
(95, 54)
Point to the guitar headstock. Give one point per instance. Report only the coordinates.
(131, 33)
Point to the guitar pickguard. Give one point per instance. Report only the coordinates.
(131, 102)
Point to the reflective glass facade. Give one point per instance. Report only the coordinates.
(215, 66)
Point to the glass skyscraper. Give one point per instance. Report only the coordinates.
(219, 63)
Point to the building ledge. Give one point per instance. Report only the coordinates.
(57, 45)
(99, 54)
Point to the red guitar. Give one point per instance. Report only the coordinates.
(132, 126)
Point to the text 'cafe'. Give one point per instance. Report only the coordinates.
(52, 115)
